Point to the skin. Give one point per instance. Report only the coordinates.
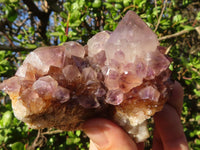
(168, 132)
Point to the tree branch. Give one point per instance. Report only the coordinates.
(8, 38)
(33, 8)
(15, 49)
(161, 14)
(53, 5)
(43, 16)
(52, 132)
(177, 34)
(39, 141)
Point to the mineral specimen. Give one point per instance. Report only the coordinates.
(121, 75)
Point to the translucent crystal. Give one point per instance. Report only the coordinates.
(32, 101)
(11, 85)
(57, 74)
(129, 37)
(97, 42)
(71, 73)
(114, 97)
(61, 94)
(88, 101)
(74, 49)
(89, 74)
(111, 79)
(45, 86)
(149, 93)
(44, 57)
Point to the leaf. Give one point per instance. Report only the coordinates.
(118, 6)
(96, 4)
(69, 141)
(1, 138)
(75, 15)
(13, 1)
(164, 22)
(32, 46)
(126, 3)
(198, 132)
(78, 132)
(110, 1)
(198, 16)
(177, 18)
(197, 118)
(71, 134)
(108, 5)
(81, 3)
(186, 27)
(156, 11)
(7, 118)
(56, 33)
(31, 30)
(76, 140)
(197, 141)
(171, 67)
(11, 14)
(137, 2)
(141, 3)
(75, 24)
(67, 6)
(118, 1)
(117, 18)
(4, 62)
(197, 92)
(63, 15)
(19, 36)
(75, 6)
(17, 146)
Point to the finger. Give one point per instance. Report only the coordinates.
(170, 130)
(167, 123)
(176, 98)
(140, 146)
(157, 143)
(105, 135)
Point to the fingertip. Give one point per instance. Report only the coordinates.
(106, 135)
(178, 89)
(176, 97)
(169, 129)
(95, 129)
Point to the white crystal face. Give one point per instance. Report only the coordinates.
(44, 57)
(97, 43)
(133, 37)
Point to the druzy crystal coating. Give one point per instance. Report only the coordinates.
(124, 69)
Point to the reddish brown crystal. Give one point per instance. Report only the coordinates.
(122, 76)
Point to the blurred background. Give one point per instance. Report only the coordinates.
(28, 24)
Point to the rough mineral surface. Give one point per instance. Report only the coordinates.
(121, 75)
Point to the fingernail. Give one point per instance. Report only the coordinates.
(96, 133)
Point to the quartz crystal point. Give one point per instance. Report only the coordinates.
(121, 75)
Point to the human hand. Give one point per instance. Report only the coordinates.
(168, 132)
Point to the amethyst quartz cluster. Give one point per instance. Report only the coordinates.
(121, 75)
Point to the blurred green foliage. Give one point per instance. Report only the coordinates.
(24, 27)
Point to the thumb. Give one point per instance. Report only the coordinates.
(105, 135)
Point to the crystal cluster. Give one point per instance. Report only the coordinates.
(121, 75)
